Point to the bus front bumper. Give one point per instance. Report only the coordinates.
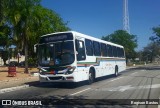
(56, 78)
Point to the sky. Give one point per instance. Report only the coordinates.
(99, 18)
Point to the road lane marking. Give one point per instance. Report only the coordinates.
(116, 79)
(143, 70)
(80, 91)
(133, 73)
(129, 87)
(13, 89)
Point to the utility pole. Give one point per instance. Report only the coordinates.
(126, 16)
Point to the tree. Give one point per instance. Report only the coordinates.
(4, 36)
(5, 33)
(4, 28)
(48, 22)
(156, 37)
(5, 56)
(125, 39)
(156, 31)
(29, 20)
(1, 11)
(154, 46)
(151, 51)
(21, 18)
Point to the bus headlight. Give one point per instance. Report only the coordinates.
(42, 71)
(70, 70)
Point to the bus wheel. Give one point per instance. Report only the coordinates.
(91, 77)
(116, 71)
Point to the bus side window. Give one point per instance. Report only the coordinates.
(103, 50)
(122, 53)
(97, 50)
(89, 47)
(110, 51)
(80, 50)
(118, 52)
(114, 51)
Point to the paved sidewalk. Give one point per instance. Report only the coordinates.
(20, 79)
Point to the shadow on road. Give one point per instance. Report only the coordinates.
(64, 85)
(68, 85)
(82, 101)
(146, 68)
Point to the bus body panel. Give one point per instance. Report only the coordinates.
(103, 65)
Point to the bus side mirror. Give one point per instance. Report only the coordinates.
(35, 48)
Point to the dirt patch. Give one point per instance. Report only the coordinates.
(19, 73)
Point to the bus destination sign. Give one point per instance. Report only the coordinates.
(56, 37)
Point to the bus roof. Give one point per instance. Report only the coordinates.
(86, 36)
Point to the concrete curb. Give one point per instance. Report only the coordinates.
(13, 89)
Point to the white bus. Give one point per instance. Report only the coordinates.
(73, 57)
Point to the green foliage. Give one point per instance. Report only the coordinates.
(156, 31)
(5, 30)
(156, 37)
(151, 51)
(32, 61)
(4, 36)
(125, 39)
(48, 22)
(5, 56)
(28, 20)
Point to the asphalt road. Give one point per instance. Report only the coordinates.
(130, 87)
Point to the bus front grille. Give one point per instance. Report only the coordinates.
(56, 78)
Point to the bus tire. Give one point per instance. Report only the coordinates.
(91, 77)
(116, 71)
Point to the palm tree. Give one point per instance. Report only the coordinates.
(23, 20)
(29, 20)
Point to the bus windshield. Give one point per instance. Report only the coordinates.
(60, 53)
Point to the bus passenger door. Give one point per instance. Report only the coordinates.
(81, 57)
(80, 50)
